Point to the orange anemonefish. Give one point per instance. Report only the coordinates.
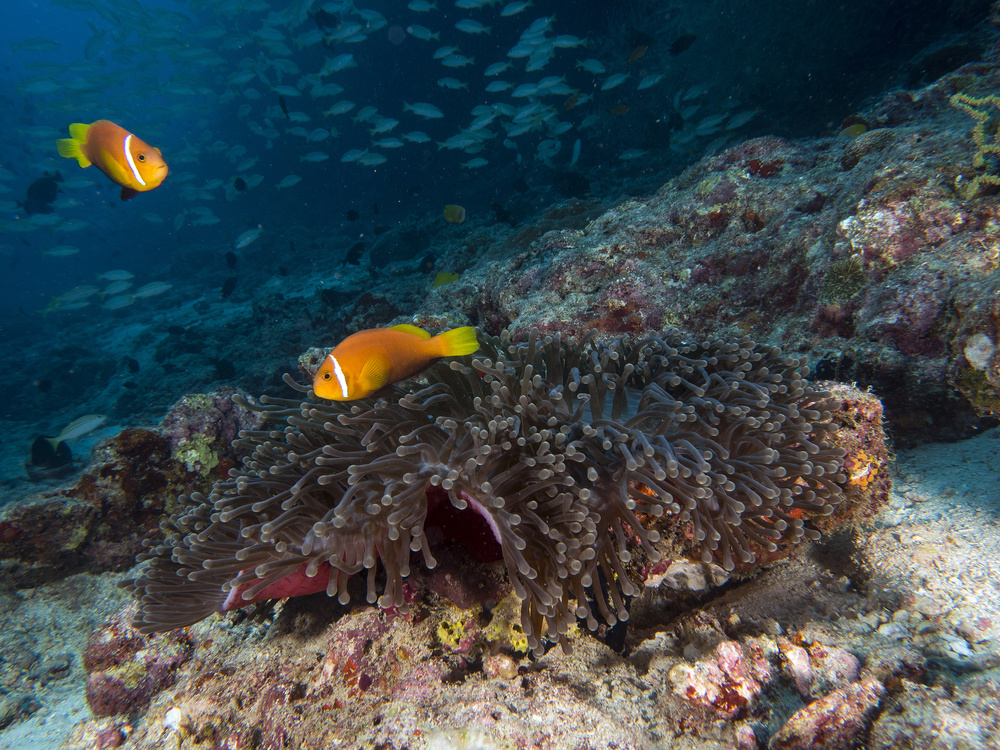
(368, 360)
(129, 161)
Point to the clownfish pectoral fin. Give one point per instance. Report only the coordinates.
(110, 165)
(405, 328)
(128, 192)
(374, 374)
(458, 341)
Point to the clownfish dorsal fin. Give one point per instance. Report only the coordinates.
(375, 373)
(78, 131)
(406, 328)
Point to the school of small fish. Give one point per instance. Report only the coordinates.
(293, 77)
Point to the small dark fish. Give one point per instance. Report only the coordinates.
(132, 364)
(284, 106)
(46, 456)
(375, 208)
(427, 263)
(379, 229)
(231, 259)
(682, 43)
(283, 270)
(354, 254)
(130, 384)
(240, 184)
(43, 385)
(352, 215)
(228, 286)
(41, 193)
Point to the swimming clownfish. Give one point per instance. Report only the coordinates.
(129, 161)
(369, 360)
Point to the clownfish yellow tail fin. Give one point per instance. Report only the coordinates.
(70, 147)
(458, 341)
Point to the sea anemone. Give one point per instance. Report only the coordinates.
(561, 446)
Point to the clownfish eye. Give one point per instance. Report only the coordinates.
(327, 375)
(142, 157)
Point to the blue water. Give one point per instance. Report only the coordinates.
(128, 87)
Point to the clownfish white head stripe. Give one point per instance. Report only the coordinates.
(339, 373)
(131, 162)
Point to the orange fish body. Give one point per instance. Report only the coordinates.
(369, 360)
(129, 161)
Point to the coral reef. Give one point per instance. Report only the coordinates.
(201, 429)
(728, 683)
(866, 143)
(125, 671)
(816, 669)
(132, 478)
(835, 721)
(561, 446)
(983, 111)
(64, 531)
